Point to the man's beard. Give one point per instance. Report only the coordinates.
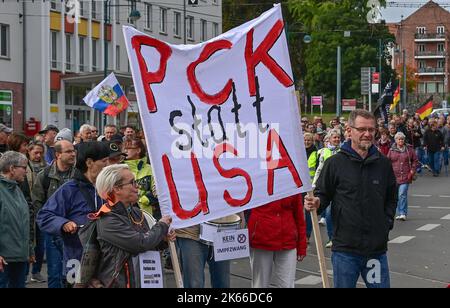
(365, 146)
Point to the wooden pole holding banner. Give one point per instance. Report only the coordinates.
(176, 265)
(319, 246)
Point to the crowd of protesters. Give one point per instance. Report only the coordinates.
(50, 184)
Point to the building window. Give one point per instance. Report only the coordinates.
(431, 87)
(422, 64)
(81, 54)
(68, 52)
(177, 24)
(441, 63)
(94, 9)
(421, 47)
(54, 55)
(53, 5)
(148, 16)
(215, 29)
(81, 3)
(190, 28)
(204, 28)
(163, 20)
(118, 57)
(117, 10)
(4, 40)
(422, 87)
(94, 55)
(421, 30)
(53, 97)
(440, 47)
(440, 87)
(440, 30)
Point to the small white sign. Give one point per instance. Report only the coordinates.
(151, 270)
(230, 245)
(375, 88)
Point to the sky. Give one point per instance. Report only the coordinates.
(393, 14)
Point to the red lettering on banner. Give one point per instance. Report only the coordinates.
(284, 161)
(147, 77)
(232, 173)
(202, 204)
(261, 54)
(220, 97)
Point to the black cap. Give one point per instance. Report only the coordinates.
(49, 127)
(94, 150)
(117, 138)
(114, 149)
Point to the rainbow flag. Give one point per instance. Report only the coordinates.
(426, 109)
(107, 97)
(395, 99)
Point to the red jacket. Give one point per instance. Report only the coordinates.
(403, 163)
(279, 225)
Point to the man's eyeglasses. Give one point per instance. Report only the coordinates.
(362, 130)
(133, 182)
(18, 166)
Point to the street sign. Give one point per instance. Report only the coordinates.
(348, 104)
(193, 2)
(376, 77)
(375, 88)
(316, 100)
(444, 104)
(365, 80)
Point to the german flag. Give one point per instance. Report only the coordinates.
(395, 99)
(426, 109)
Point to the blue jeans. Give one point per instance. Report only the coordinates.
(194, 256)
(445, 156)
(13, 275)
(420, 153)
(39, 251)
(329, 223)
(435, 161)
(54, 249)
(402, 204)
(308, 224)
(348, 267)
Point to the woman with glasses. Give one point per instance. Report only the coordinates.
(137, 161)
(123, 232)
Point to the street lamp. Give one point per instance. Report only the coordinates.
(133, 17)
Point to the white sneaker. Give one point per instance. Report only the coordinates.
(398, 217)
(402, 217)
(329, 244)
(323, 221)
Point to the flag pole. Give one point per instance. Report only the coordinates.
(319, 247)
(176, 265)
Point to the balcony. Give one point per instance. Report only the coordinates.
(431, 71)
(430, 54)
(430, 37)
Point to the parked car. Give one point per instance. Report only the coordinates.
(437, 112)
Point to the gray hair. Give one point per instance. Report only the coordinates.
(333, 132)
(399, 135)
(11, 158)
(108, 178)
(85, 127)
(359, 113)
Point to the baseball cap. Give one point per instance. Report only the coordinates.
(319, 131)
(94, 150)
(64, 134)
(6, 129)
(114, 149)
(117, 138)
(49, 127)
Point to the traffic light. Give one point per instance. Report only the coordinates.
(376, 78)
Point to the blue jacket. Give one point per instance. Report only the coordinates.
(68, 203)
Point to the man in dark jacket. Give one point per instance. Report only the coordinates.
(47, 183)
(434, 143)
(361, 184)
(67, 209)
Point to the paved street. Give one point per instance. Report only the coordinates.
(419, 251)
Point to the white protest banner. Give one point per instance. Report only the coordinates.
(221, 120)
(230, 245)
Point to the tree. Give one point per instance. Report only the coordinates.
(327, 21)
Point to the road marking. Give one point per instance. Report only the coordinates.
(439, 207)
(444, 196)
(428, 227)
(309, 280)
(401, 239)
(421, 196)
(446, 217)
(414, 207)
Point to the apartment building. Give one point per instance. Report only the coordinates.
(55, 52)
(424, 38)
